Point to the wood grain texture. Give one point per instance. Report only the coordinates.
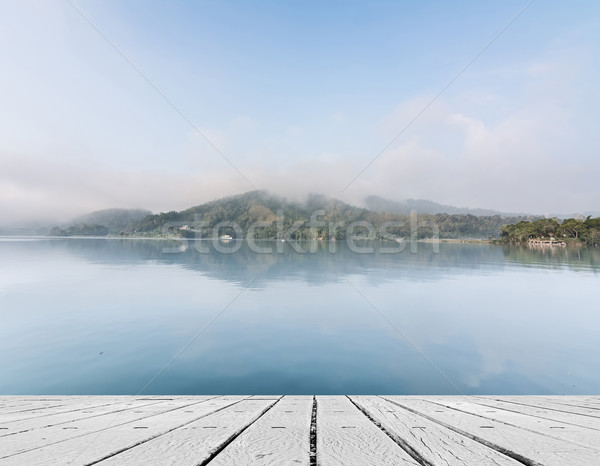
(554, 429)
(533, 448)
(346, 436)
(268, 429)
(585, 402)
(21, 404)
(19, 412)
(36, 438)
(91, 439)
(280, 436)
(81, 412)
(196, 442)
(64, 405)
(434, 443)
(544, 413)
(574, 408)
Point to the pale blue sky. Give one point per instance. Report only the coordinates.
(300, 96)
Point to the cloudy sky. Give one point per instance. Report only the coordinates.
(152, 104)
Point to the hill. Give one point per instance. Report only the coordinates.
(271, 213)
(114, 219)
(423, 206)
(101, 223)
(266, 216)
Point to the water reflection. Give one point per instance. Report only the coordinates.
(104, 316)
(326, 261)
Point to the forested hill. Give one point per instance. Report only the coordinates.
(114, 219)
(259, 206)
(101, 223)
(423, 206)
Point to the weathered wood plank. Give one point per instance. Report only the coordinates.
(36, 400)
(555, 429)
(195, 443)
(57, 435)
(30, 409)
(346, 436)
(266, 397)
(545, 404)
(434, 443)
(14, 405)
(531, 447)
(559, 416)
(90, 448)
(574, 400)
(280, 436)
(415, 430)
(584, 402)
(67, 405)
(589, 407)
(83, 413)
(22, 404)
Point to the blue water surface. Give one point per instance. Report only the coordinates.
(131, 316)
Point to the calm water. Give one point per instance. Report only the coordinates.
(106, 316)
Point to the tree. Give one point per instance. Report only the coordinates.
(571, 227)
(545, 227)
(593, 236)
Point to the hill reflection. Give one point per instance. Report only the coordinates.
(325, 262)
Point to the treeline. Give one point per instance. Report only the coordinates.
(100, 223)
(263, 216)
(80, 229)
(572, 229)
(114, 219)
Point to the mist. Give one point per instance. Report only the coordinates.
(81, 130)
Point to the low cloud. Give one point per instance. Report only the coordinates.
(536, 153)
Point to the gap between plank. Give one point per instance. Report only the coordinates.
(60, 412)
(235, 435)
(504, 408)
(395, 438)
(163, 433)
(541, 407)
(512, 454)
(487, 418)
(34, 409)
(73, 420)
(107, 428)
(313, 434)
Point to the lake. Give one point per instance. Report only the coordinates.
(131, 316)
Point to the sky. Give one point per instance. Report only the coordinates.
(167, 104)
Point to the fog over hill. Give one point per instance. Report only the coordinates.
(261, 214)
(424, 206)
(337, 112)
(248, 205)
(114, 219)
(99, 223)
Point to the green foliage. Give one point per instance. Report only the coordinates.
(572, 228)
(379, 204)
(101, 223)
(115, 220)
(259, 206)
(587, 231)
(80, 229)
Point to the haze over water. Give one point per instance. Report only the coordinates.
(106, 316)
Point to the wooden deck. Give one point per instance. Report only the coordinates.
(300, 430)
